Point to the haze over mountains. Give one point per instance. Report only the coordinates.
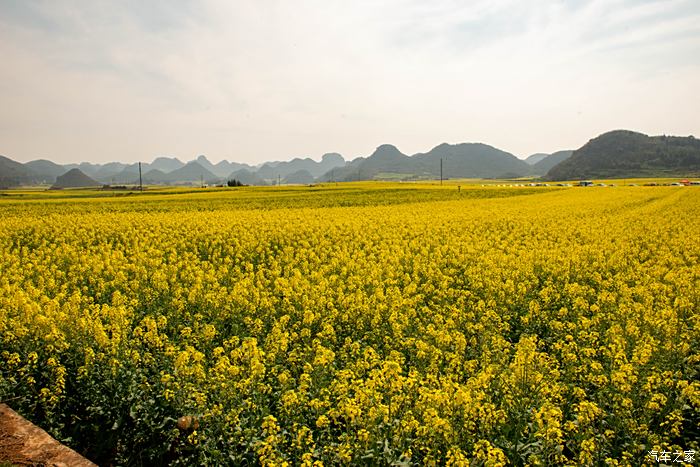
(618, 153)
(473, 160)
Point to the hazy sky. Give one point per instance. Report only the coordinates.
(263, 80)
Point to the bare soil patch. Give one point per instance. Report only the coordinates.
(23, 443)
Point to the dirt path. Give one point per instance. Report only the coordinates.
(22, 443)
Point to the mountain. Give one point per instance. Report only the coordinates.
(267, 171)
(74, 178)
(472, 160)
(300, 177)
(106, 171)
(329, 161)
(101, 172)
(332, 159)
(223, 168)
(283, 169)
(129, 174)
(617, 153)
(192, 172)
(349, 172)
(45, 171)
(166, 164)
(623, 153)
(549, 161)
(246, 177)
(387, 158)
(14, 174)
(465, 160)
(535, 158)
(85, 167)
(204, 162)
(154, 176)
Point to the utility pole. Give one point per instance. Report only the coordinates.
(201, 180)
(441, 171)
(278, 180)
(140, 178)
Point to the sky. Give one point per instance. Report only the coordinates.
(252, 81)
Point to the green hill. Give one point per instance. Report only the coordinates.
(622, 153)
(471, 160)
(45, 171)
(14, 174)
(74, 178)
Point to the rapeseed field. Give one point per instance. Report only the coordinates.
(370, 324)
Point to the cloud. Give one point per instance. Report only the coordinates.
(250, 80)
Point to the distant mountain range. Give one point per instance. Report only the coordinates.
(165, 171)
(472, 160)
(615, 154)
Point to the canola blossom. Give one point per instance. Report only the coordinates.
(373, 325)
